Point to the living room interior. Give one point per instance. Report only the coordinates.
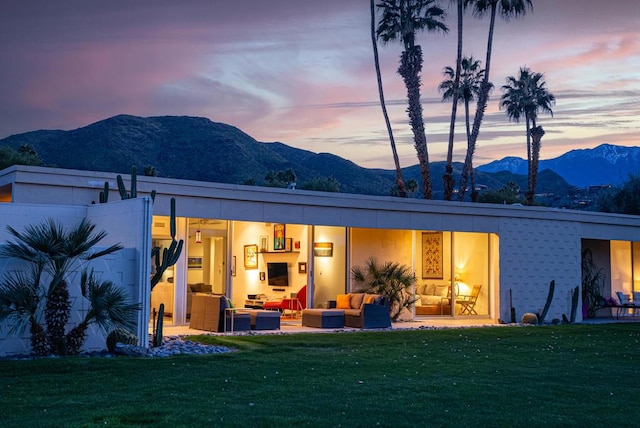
(271, 261)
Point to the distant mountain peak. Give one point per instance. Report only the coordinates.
(604, 164)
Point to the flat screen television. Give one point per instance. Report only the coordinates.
(278, 274)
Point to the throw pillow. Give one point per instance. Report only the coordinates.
(343, 301)
(430, 289)
(441, 290)
(356, 300)
(369, 298)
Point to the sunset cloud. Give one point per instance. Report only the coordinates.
(301, 72)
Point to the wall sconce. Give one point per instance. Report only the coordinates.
(198, 237)
(323, 249)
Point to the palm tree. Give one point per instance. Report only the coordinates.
(468, 90)
(51, 252)
(525, 96)
(507, 9)
(401, 190)
(400, 20)
(455, 76)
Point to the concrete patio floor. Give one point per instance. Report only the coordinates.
(288, 326)
(292, 326)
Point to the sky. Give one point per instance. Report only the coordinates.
(301, 72)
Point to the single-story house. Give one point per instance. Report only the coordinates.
(236, 235)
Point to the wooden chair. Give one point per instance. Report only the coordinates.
(468, 303)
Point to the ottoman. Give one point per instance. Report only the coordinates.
(323, 318)
(265, 320)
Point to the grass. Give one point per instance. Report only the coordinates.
(577, 375)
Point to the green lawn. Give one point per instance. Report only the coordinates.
(578, 375)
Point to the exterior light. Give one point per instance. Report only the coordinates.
(198, 237)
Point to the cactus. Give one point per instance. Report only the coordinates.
(134, 185)
(574, 303)
(120, 336)
(104, 194)
(552, 287)
(157, 334)
(169, 255)
(529, 318)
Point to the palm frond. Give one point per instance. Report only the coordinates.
(20, 299)
(109, 304)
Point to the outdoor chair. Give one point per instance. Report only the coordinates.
(468, 303)
(295, 305)
(627, 304)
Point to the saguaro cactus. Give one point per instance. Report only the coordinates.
(552, 287)
(169, 255)
(134, 185)
(157, 334)
(104, 194)
(574, 303)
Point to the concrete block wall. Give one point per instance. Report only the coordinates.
(532, 253)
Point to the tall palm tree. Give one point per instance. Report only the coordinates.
(402, 191)
(468, 90)
(448, 173)
(400, 20)
(527, 95)
(507, 9)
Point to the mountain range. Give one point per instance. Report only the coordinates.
(603, 165)
(196, 148)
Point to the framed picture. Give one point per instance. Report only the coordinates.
(194, 262)
(233, 266)
(432, 267)
(302, 267)
(296, 245)
(278, 237)
(251, 256)
(264, 243)
(287, 244)
(323, 249)
(262, 276)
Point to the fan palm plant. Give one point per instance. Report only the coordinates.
(471, 77)
(391, 279)
(507, 9)
(108, 308)
(527, 95)
(51, 252)
(401, 20)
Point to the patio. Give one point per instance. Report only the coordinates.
(291, 326)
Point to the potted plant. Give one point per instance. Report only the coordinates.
(391, 279)
(592, 285)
